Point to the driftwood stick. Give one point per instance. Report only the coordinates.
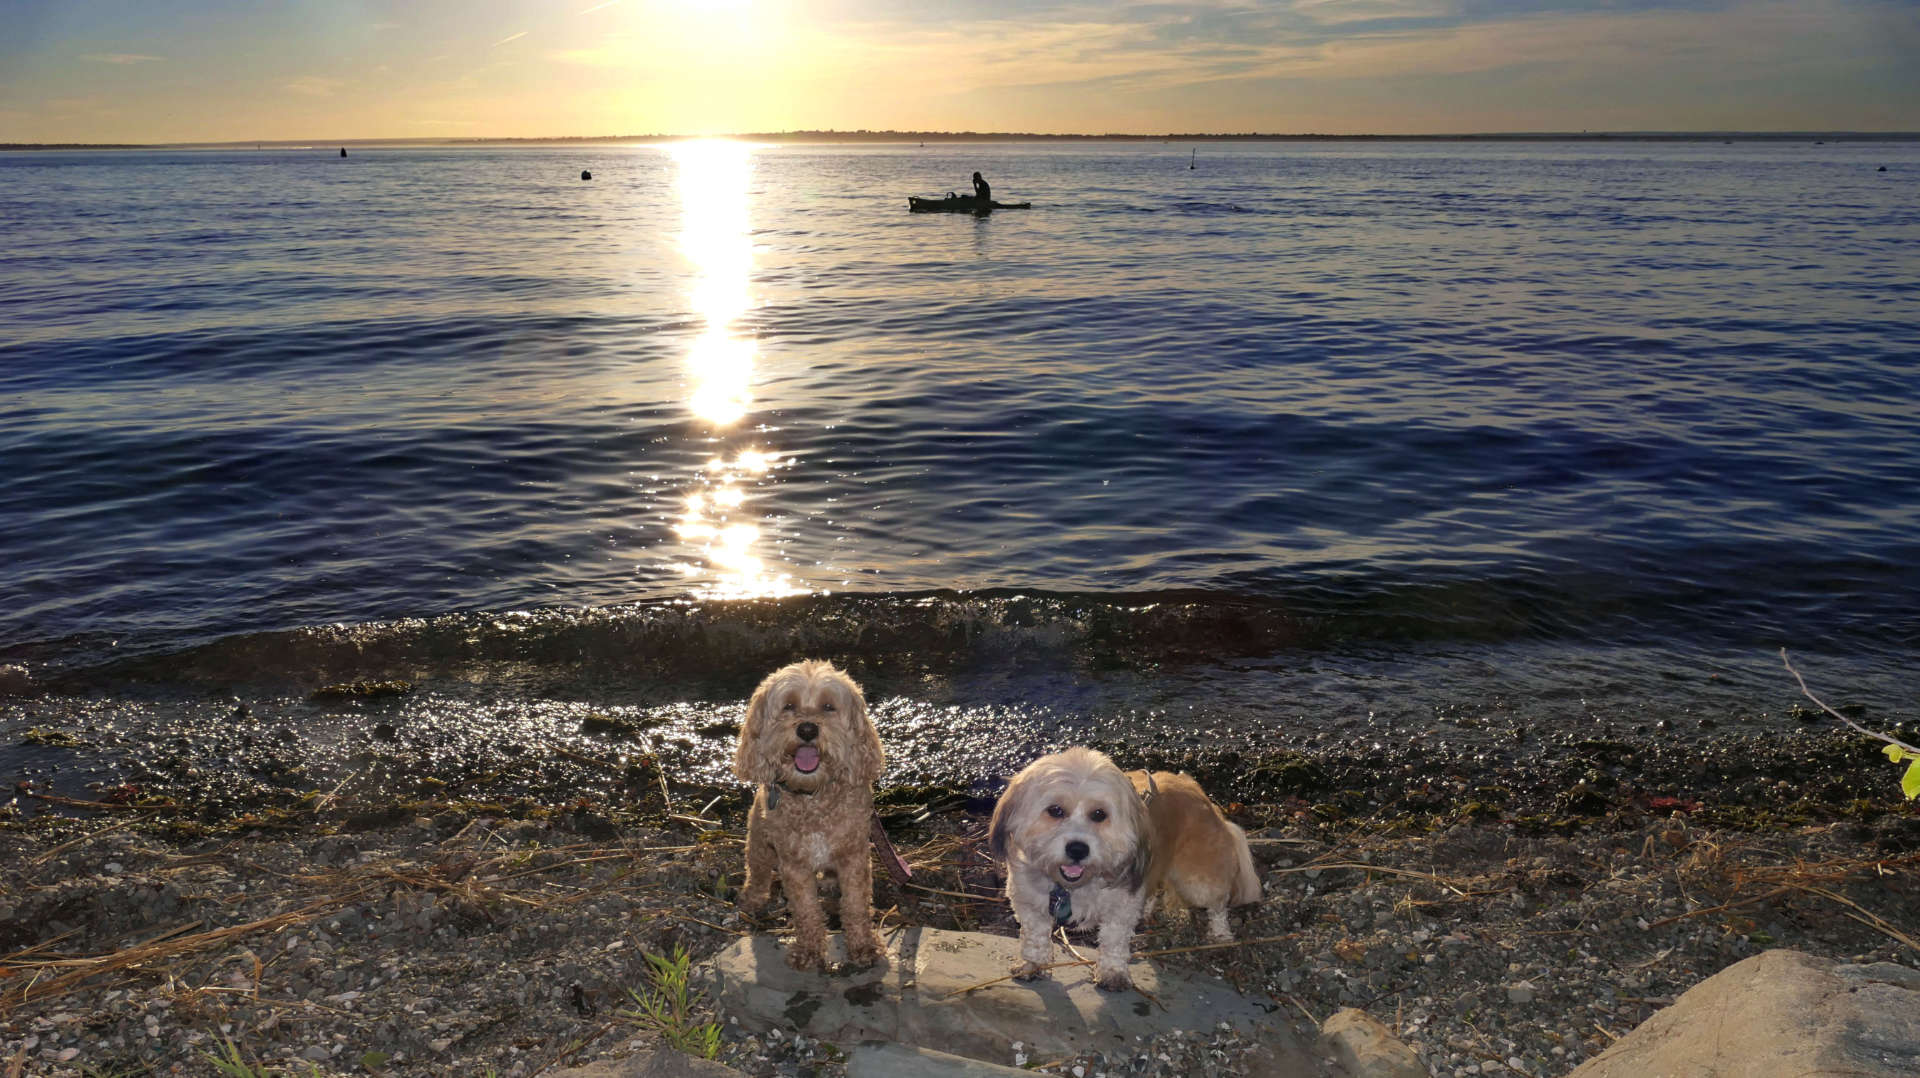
(1896, 742)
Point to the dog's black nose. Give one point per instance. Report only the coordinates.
(1077, 850)
(807, 731)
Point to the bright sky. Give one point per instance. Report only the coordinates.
(230, 70)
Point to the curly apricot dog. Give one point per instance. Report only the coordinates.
(808, 744)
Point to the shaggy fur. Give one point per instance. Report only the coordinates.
(1199, 855)
(809, 747)
(1073, 821)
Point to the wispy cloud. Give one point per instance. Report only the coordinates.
(597, 7)
(609, 55)
(509, 37)
(121, 58)
(313, 86)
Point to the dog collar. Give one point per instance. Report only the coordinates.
(1060, 904)
(773, 790)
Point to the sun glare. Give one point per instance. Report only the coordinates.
(715, 238)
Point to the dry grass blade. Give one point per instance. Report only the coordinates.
(75, 802)
(951, 894)
(1004, 978)
(89, 837)
(583, 758)
(556, 866)
(1362, 866)
(1865, 916)
(1295, 1000)
(144, 954)
(20, 956)
(1228, 945)
(321, 805)
(1775, 893)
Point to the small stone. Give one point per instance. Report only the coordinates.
(1523, 992)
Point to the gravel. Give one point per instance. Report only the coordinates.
(455, 943)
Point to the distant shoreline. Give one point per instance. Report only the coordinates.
(828, 137)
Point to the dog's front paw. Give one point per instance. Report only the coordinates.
(806, 960)
(752, 902)
(1029, 971)
(864, 955)
(1114, 980)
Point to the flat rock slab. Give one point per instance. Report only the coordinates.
(882, 1059)
(661, 1064)
(919, 996)
(1781, 1014)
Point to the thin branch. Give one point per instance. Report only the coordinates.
(1775, 893)
(1823, 706)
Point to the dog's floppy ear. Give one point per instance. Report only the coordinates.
(1133, 811)
(1005, 810)
(751, 761)
(869, 758)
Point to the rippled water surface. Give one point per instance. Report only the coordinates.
(1305, 429)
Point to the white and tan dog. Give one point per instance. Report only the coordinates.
(1199, 855)
(1076, 841)
(808, 744)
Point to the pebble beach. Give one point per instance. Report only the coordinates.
(464, 937)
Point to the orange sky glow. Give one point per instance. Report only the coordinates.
(170, 71)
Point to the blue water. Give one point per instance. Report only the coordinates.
(1334, 423)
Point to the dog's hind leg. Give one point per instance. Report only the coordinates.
(1217, 929)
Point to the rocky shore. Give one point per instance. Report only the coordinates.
(451, 937)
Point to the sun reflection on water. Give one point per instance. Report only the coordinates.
(714, 521)
(713, 178)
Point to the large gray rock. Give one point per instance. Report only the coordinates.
(919, 996)
(1781, 1014)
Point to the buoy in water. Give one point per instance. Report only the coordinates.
(343, 151)
(585, 175)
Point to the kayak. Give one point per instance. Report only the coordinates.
(960, 204)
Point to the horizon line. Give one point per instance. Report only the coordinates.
(888, 135)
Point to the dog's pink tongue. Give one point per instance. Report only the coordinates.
(1072, 872)
(806, 759)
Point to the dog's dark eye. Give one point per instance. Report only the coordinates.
(827, 706)
(1056, 811)
(1098, 815)
(789, 706)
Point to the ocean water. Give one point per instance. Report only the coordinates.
(1255, 442)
